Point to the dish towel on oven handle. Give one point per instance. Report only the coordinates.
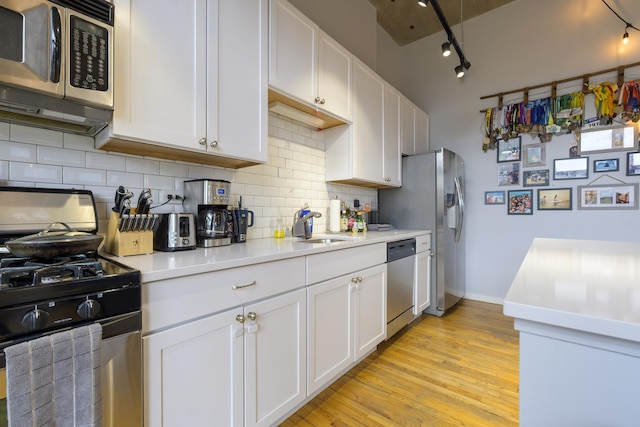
(55, 380)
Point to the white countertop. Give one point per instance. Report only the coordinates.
(167, 265)
(586, 285)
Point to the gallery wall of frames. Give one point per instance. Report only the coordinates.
(529, 181)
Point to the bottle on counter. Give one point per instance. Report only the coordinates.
(344, 219)
(360, 224)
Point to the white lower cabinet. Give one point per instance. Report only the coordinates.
(422, 275)
(244, 366)
(347, 320)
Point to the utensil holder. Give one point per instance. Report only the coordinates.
(123, 243)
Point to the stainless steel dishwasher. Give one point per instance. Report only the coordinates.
(400, 274)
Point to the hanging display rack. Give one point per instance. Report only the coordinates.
(585, 81)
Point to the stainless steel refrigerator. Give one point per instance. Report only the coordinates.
(432, 197)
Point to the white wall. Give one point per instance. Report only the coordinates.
(521, 44)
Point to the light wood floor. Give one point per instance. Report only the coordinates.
(457, 370)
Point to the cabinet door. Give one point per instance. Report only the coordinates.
(193, 374)
(422, 282)
(330, 339)
(407, 130)
(422, 131)
(237, 79)
(275, 358)
(292, 52)
(368, 124)
(391, 154)
(335, 65)
(160, 91)
(370, 309)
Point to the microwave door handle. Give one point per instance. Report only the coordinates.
(56, 48)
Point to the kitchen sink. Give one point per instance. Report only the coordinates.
(327, 240)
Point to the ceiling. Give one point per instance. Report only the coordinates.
(405, 21)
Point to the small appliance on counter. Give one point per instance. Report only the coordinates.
(176, 232)
(242, 220)
(208, 201)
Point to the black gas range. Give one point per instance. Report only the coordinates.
(43, 295)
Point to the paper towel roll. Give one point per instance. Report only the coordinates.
(334, 215)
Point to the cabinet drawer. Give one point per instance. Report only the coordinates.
(170, 302)
(332, 264)
(423, 243)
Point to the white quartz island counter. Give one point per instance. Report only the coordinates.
(576, 304)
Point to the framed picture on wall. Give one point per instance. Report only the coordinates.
(633, 164)
(620, 138)
(509, 150)
(534, 155)
(520, 202)
(494, 197)
(606, 165)
(611, 196)
(571, 168)
(509, 174)
(555, 199)
(535, 178)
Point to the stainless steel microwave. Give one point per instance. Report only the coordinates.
(56, 60)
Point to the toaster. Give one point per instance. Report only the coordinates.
(175, 232)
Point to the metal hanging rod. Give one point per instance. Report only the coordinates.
(584, 77)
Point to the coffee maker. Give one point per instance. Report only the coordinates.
(208, 200)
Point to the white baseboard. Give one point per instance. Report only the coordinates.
(484, 298)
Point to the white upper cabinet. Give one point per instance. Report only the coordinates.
(306, 64)
(414, 133)
(190, 81)
(392, 156)
(356, 154)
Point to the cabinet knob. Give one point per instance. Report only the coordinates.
(203, 141)
(317, 100)
(240, 318)
(214, 144)
(354, 280)
(252, 315)
(322, 101)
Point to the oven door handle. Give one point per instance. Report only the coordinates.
(56, 48)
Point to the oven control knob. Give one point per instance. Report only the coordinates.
(35, 319)
(89, 309)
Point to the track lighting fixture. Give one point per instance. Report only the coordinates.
(423, 3)
(446, 49)
(625, 36)
(451, 38)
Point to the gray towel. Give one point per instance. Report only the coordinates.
(55, 380)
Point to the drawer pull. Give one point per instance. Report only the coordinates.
(234, 287)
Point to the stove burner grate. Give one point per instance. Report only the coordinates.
(19, 272)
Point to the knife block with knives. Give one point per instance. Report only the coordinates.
(130, 230)
(131, 234)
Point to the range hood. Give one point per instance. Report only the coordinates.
(29, 108)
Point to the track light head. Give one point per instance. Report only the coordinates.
(446, 49)
(460, 69)
(423, 3)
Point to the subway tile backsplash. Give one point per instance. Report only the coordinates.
(293, 175)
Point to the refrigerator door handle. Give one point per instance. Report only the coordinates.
(456, 181)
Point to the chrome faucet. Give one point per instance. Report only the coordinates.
(301, 227)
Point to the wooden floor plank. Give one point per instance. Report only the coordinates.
(459, 369)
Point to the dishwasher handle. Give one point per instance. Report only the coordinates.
(400, 249)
